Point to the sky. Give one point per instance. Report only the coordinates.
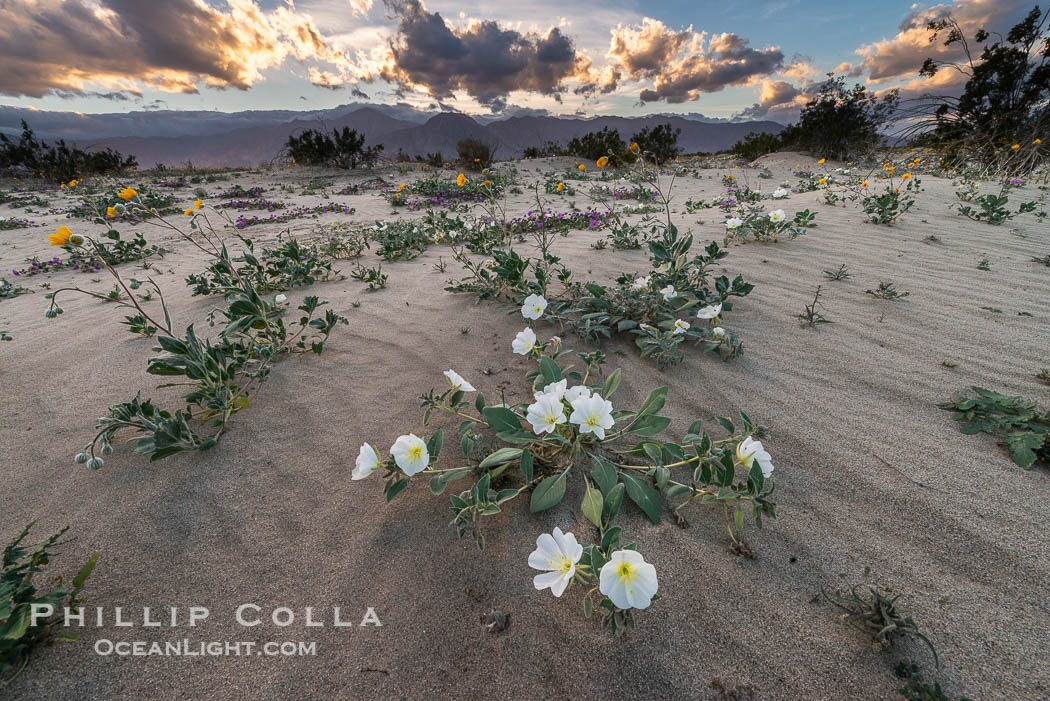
(745, 59)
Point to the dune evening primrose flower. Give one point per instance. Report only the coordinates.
(574, 393)
(711, 311)
(533, 307)
(749, 450)
(734, 223)
(60, 237)
(592, 414)
(780, 193)
(524, 342)
(776, 216)
(280, 299)
(545, 414)
(410, 453)
(556, 554)
(680, 327)
(602, 161)
(127, 193)
(642, 283)
(669, 293)
(366, 463)
(628, 580)
(457, 381)
(554, 389)
(461, 180)
(719, 332)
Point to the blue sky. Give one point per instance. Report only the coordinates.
(716, 58)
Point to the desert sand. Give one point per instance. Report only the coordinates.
(869, 472)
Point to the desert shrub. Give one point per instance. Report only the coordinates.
(222, 375)
(341, 149)
(59, 162)
(598, 144)
(1020, 424)
(290, 264)
(768, 227)
(1005, 104)
(991, 209)
(570, 427)
(434, 160)
(840, 122)
(660, 141)
(29, 612)
(474, 154)
(551, 148)
(757, 144)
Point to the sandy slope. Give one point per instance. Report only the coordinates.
(869, 473)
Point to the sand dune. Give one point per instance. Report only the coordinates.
(869, 473)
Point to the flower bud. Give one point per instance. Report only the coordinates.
(81, 458)
(107, 449)
(94, 463)
(134, 284)
(50, 313)
(719, 332)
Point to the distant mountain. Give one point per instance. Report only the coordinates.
(253, 137)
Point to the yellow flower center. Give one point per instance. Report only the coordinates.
(550, 418)
(415, 453)
(593, 419)
(626, 572)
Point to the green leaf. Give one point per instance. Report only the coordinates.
(613, 500)
(395, 487)
(551, 371)
(592, 504)
(604, 474)
(654, 402)
(479, 403)
(525, 463)
(644, 496)
(611, 384)
(501, 419)
(650, 425)
(439, 482)
(435, 443)
(501, 456)
(548, 493)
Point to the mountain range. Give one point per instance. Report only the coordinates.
(206, 138)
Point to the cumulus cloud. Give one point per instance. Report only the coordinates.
(123, 45)
(683, 64)
(778, 99)
(484, 59)
(902, 55)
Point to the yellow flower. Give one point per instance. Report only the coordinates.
(402, 186)
(127, 193)
(581, 167)
(820, 162)
(822, 181)
(864, 184)
(60, 237)
(197, 204)
(602, 161)
(487, 183)
(634, 146)
(110, 213)
(1038, 141)
(905, 176)
(62, 186)
(477, 160)
(461, 180)
(188, 212)
(1015, 146)
(72, 183)
(397, 195)
(560, 187)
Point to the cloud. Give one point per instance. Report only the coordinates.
(902, 55)
(684, 64)
(483, 59)
(174, 46)
(776, 100)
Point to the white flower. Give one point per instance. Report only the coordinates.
(734, 222)
(556, 554)
(592, 414)
(545, 414)
(533, 307)
(574, 393)
(280, 299)
(648, 328)
(457, 381)
(367, 462)
(710, 311)
(628, 580)
(642, 282)
(669, 293)
(554, 389)
(749, 450)
(776, 216)
(524, 342)
(780, 193)
(719, 332)
(410, 453)
(680, 327)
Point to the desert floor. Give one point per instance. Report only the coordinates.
(869, 473)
